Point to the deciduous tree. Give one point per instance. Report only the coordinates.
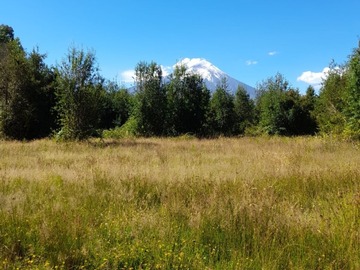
(79, 87)
(331, 103)
(188, 101)
(150, 100)
(352, 97)
(222, 110)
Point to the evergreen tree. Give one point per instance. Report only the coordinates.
(244, 109)
(14, 108)
(308, 119)
(26, 93)
(42, 96)
(295, 121)
(222, 110)
(116, 106)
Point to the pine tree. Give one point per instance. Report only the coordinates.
(26, 93)
(244, 108)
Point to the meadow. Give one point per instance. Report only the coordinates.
(180, 203)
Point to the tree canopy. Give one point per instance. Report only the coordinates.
(75, 102)
(78, 91)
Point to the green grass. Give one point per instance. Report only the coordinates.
(248, 203)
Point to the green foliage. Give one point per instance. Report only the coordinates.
(42, 96)
(72, 98)
(123, 103)
(6, 33)
(282, 110)
(270, 100)
(352, 98)
(308, 118)
(244, 109)
(222, 110)
(150, 100)
(338, 107)
(26, 91)
(79, 88)
(116, 106)
(13, 83)
(295, 120)
(330, 105)
(128, 130)
(188, 103)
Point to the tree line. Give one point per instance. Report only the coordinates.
(72, 101)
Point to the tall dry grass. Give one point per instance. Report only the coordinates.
(248, 203)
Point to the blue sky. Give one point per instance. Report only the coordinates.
(250, 40)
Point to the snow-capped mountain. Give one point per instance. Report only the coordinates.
(212, 75)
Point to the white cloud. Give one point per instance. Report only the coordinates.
(127, 76)
(314, 78)
(251, 62)
(166, 70)
(272, 53)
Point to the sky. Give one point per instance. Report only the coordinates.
(251, 40)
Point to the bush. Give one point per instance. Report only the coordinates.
(129, 129)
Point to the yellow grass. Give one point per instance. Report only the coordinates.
(250, 159)
(247, 203)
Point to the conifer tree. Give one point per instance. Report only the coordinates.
(222, 110)
(244, 108)
(26, 92)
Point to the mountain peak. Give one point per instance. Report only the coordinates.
(202, 67)
(196, 62)
(212, 75)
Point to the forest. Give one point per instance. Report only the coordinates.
(72, 101)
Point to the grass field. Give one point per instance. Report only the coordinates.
(247, 203)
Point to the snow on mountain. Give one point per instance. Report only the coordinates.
(212, 75)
